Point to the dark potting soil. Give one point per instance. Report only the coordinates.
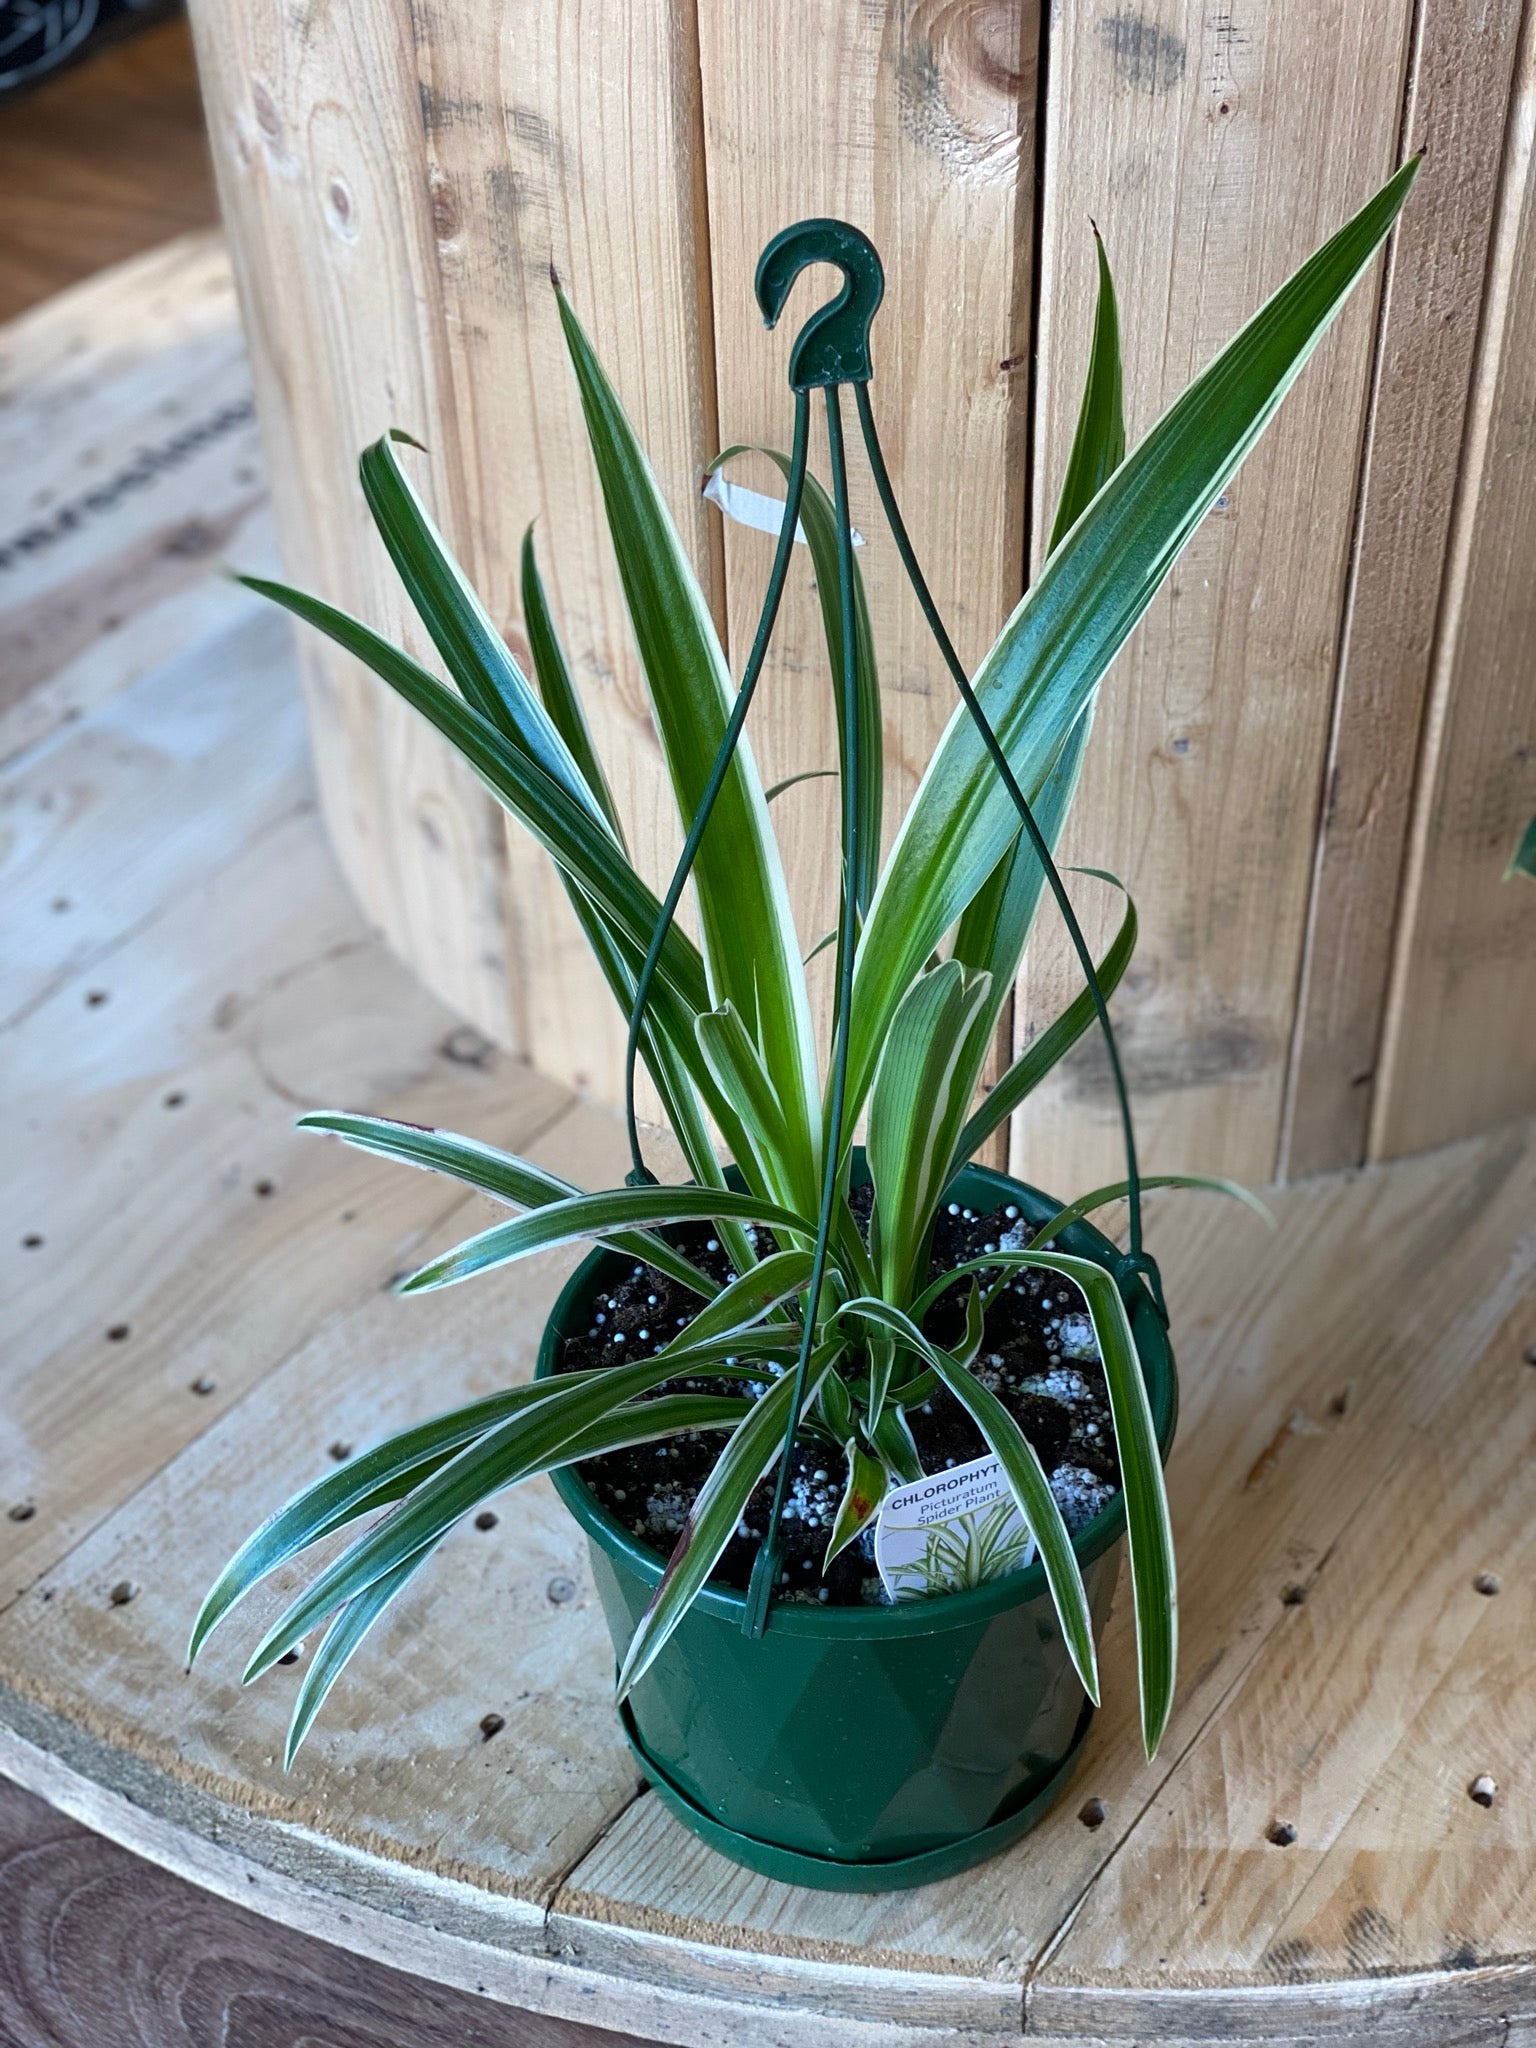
(1038, 1355)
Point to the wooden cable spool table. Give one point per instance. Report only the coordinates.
(199, 1317)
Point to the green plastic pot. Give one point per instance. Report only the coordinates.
(862, 1748)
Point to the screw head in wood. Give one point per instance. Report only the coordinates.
(124, 1591)
(1483, 1789)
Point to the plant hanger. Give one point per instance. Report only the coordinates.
(832, 350)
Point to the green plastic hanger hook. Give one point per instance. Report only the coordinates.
(833, 345)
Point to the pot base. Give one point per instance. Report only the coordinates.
(825, 1873)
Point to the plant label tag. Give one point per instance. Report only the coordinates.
(950, 1530)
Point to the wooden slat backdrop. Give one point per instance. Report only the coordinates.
(1215, 150)
(1314, 710)
(1461, 1040)
(918, 123)
(1461, 69)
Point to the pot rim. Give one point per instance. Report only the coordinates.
(907, 1617)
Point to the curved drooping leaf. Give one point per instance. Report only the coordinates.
(1026, 1481)
(596, 1215)
(526, 1442)
(748, 1298)
(1045, 665)
(372, 1479)
(1040, 1239)
(645, 1422)
(717, 1509)
(498, 1174)
(777, 789)
(1116, 1191)
(461, 629)
(343, 1636)
(1148, 1532)
(581, 843)
(1037, 1060)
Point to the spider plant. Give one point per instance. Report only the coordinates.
(938, 934)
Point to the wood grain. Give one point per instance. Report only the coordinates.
(1362, 1724)
(100, 163)
(322, 181)
(104, 1951)
(426, 254)
(539, 164)
(916, 123)
(1215, 148)
(1463, 64)
(1459, 1052)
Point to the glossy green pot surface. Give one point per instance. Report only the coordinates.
(862, 1747)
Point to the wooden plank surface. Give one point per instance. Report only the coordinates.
(916, 123)
(180, 946)
(1463, 64)
(1362, 1725)
(128, 441)
(1459, 1050)
(1215, 147)
(105, 1951)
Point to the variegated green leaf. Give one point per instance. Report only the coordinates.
(717, 1508)
(547, 1433)
(1026, 1480)
(598, 1216)
(498, 1174)
(919, 1103)
(818, 520)
(1042, 671)
(861, 1501)
(645, 1422)
(552, 673)
(748, 930)
(1044, 1052)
